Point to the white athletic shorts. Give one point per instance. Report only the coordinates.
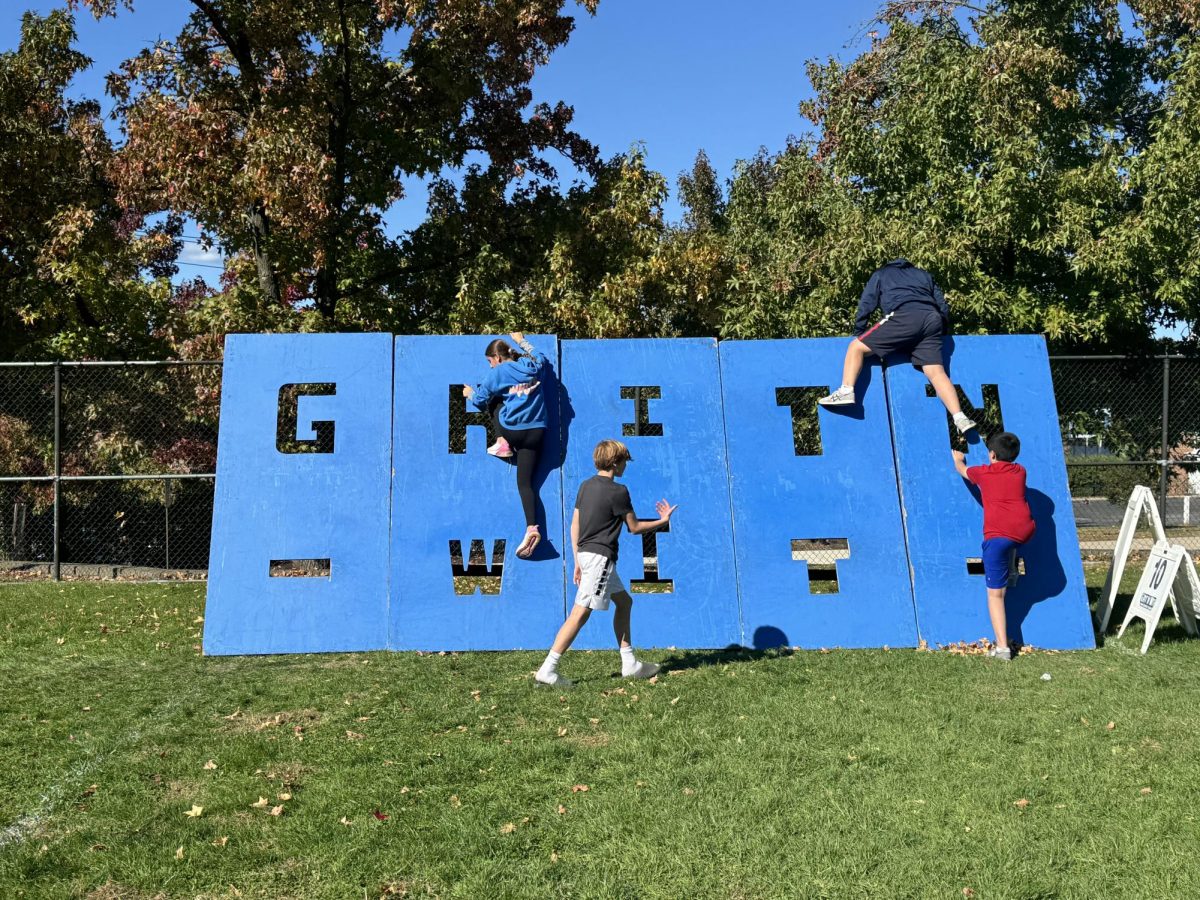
(598, 581)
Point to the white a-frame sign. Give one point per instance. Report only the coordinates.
(1140, 501)
(1156, 582)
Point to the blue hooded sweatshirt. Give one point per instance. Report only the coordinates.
(894, 284)
(519, 386)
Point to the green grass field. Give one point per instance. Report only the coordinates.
(810, 774)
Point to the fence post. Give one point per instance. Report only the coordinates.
(56, 571)
(1165, 455)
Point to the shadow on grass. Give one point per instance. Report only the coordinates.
(734, 653)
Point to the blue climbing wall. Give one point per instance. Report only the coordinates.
(1048, 607)
(847, 492)
(385, 504)
(273, 505)
(680, 457)
(439, 496)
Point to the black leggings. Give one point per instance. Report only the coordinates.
(527, 445)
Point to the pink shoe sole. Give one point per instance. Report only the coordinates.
(532, 539)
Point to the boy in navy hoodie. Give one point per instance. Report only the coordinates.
(915, 320)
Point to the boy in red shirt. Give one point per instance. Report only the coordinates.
(1007, 523)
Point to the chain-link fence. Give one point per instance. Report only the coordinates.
(1127, 421)
(107, 469)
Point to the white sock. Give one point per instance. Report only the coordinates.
(959, 416)
(551, 664)
(628, 660)
(846, 387)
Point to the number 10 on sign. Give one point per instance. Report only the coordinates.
(1153, 589)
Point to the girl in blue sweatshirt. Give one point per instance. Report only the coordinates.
(513, 392)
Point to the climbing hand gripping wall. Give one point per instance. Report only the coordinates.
(299, 555)
(1006, 384)
(662, 398)
(811, 483)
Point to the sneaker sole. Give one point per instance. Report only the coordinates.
(824, 402)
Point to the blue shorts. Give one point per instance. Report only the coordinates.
(998, 554)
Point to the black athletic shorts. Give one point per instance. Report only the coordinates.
(913, 328)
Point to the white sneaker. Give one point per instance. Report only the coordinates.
(1000, 653)
(553, 679)
(843, 396)
(963, 423)
(642, 670)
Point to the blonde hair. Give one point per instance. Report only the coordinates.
(608, 453)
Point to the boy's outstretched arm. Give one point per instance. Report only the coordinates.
(664, 509)
(960, 462)
(575, 543)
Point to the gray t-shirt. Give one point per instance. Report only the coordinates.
(602, 505)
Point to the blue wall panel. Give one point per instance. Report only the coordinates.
(1048, 607)
(684, 464)
(273, 505)
(847, 492)
(439, 496)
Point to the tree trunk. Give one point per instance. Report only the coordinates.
(260, 228)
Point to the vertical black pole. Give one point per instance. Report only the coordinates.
(168, 497)
(55, 571)
(1166, 406)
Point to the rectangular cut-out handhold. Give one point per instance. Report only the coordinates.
(806, 427)
(328, 501)
(944, 521)
(299, 568)
(441, 495)
(686, 466)
(849, 491)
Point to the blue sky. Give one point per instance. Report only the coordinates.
(676, 75)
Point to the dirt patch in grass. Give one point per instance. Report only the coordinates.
(241, 722)
(595, 739)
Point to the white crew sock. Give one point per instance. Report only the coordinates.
(846, 387)
(960, 416)
(628, 660)
(550, 666)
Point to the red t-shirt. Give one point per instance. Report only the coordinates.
(1005, 510)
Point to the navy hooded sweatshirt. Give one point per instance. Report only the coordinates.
(894, 284)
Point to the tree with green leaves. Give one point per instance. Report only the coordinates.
(286, 127)
(80, 274)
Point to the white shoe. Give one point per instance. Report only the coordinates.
(843, 396)
(642, 670)
(553, 679)
(1000, 653)
(963, 424)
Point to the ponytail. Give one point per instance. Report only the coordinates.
(500, 348)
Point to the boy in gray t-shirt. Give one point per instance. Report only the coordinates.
(601, 507)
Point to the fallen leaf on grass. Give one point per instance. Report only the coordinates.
(454, 801)
(221, 841)
(210, 765)
(194, 812)
(475, 696)
(344, 821)
(1021, 804)
(353, 736)
(236, 714)
(382, 817)
(277, 810)
(688, 792)
(179, 853)
(594, 721)
(676, 700)
(91, 789)
(553, 856)
(61, 641)
(1145, 791)
(1110, 726)
(261, 803)
(404, 790)
(967, 892)
(508, 827)
(562, 810)
(285, 797)
(580, 789)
